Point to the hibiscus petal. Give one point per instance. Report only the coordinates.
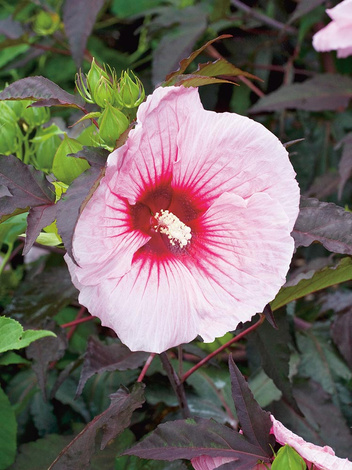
(151, 308)
(147, 158)
(104, 244)
(229, 152)
(322, 457)
(205, 462)
(333, 36)
(342, 12)
(241, 258)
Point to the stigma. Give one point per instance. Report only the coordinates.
(176, 231)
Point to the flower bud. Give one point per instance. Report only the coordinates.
(103, 92)
(35, 116)
(46, 23)
(93, 77)
(130, 91)
(112, 123)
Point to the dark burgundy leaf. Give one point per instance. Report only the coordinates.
(341, 330)
(186, 62)
(10, 28)
(324, 424)
(71, 204)
(304, 7)
(275, 355)
(95, 156)
(76, 456)
(42, 90)
(43, 352)
(322, 92)
(28, 187)
(345, 164)
(38, 218)
(176, 44)
(42, 296)
(79, 18)
(270, 316)
(255, 422)
(100, 358)
(185, 439)
(324, 222)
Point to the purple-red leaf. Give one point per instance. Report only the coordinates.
(186, 62)
(186, 439)
(322, 92)
(10, 28)
(95, 156)
(41, 90)
(100, 358)
(27, 186)
(38, 218)
(43, 352)
(71, 204)
(111, 422)
(255, 422)
(79, 18)
(275, 355)
(324, 222)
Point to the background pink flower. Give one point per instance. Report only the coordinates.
(323, 458)
(337, 35)
(204, 462)
(189, 231)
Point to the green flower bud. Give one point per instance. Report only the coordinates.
(130, 91)
(46, 23)
(112, 123)
(35, 117)
(103, 92)
(93, 77)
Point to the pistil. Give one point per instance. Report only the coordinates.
(171, 226)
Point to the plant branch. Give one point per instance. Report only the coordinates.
(224, 346)
(265, 19)
(146, 367)
(176, 384)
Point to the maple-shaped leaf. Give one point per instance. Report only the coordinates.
(100, 357)
(25, 188)
(43, 91)
(255, 422)
(324, 222)
(111, 423)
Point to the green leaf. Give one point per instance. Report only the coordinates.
(321, 279)
(11, 357)
(66, 168)
(12, 335)
(8, 431)
(288, 459)
(11, 228)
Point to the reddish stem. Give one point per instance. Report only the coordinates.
(77, 321)
(73, 327)
(224, 346)
(146, 367)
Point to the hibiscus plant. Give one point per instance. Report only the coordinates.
(176, 235)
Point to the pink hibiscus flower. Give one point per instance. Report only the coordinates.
(323, 458)
(189, 230)
(204, 462)
(337, 35)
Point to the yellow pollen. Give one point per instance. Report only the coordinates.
(170, 225)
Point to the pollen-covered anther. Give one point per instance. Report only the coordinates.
(171, 226)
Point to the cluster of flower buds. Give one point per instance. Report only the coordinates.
(116, 97)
